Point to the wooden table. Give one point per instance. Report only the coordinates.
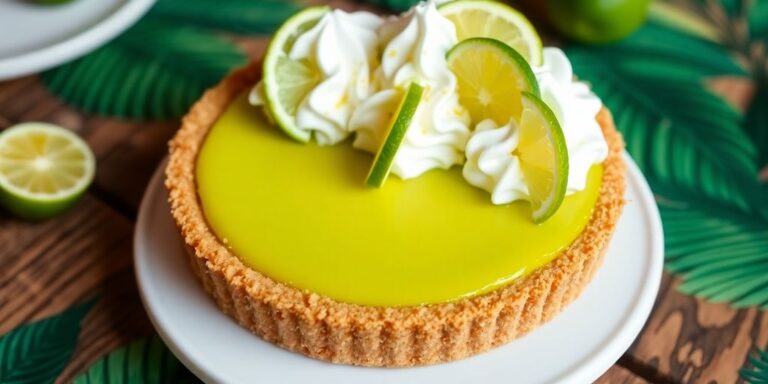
(47, 267)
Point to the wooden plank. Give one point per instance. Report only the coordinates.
(125, 172)
(127, 152)
(46, 267)
(84, 254)
(620, 375)
(690, 340)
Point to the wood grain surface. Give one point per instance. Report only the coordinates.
(620, 375)
(692, 341)
(86, 253)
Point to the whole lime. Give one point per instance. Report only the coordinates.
(597, 21)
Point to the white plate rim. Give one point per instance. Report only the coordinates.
(592, 368)
(71, 48)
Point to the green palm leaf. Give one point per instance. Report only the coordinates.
(155, 70)
(731, 7)
(758, 20)
(678, 132)
(722, 254)
(681, 54)
(682, 19)
(758, 372)
(240, 16)
(38, 352)
(144, 361)
(756, 123)
(756, 12)
(392, 5)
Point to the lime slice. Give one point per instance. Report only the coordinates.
(543, 157)
(485, 18)
(490, 77)
(43, 169)
(398, 126)
(287, 82)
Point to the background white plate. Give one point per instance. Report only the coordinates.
(35, 37)
(576, 347)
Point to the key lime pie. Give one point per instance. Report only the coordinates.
(397, 191)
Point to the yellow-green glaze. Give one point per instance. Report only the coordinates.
(302, 214)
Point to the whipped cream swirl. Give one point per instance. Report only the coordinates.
(365, 63)
(414, 50)
(491, 164)
(343, 47)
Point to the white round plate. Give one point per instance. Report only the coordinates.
(37, 37)
(576, 347)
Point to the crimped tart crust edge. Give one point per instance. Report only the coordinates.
(326, 329)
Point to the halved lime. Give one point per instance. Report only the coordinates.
(486, 18)
(44, 169)
(287, 82)
(398, 126)
(490, 77)
(543, 157)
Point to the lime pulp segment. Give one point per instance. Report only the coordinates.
(492, 19)
(491, 76)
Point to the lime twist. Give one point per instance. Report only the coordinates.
(396, 130)
(543, 157)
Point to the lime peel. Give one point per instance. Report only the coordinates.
(398, 127)
(544, 206)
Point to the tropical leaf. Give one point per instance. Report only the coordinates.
(392, 5)
(37, 352)
(734, 13)
(722, 254)
(155, 70)
(678, 132)
(686, 56)
(758, 372)
(756, 123)
(758, 20)
(239, 16)
(143, 361)
(672, 15)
